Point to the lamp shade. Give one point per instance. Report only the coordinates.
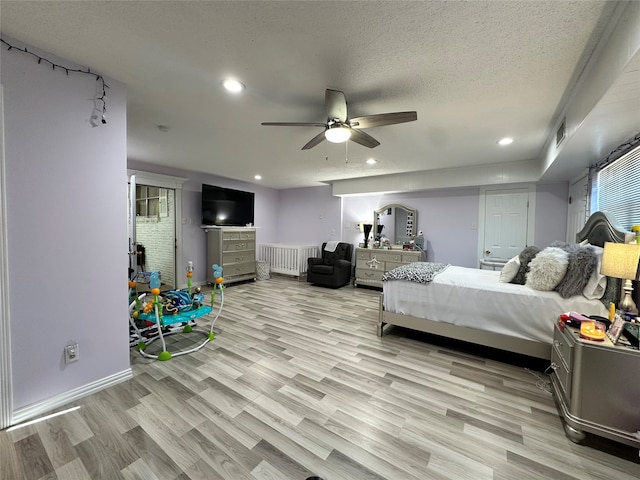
(621, 260)
(337, 133)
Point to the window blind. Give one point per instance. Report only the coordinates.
(616, 189)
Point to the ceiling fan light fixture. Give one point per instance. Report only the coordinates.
(232, 85)
(337, 133)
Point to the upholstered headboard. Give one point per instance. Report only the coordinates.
(601, 228)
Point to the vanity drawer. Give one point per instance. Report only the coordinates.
(408, 257)
(238, 245)
(561, 371)
(563, 347)
(368, 274)
(363, 254)
(232, 258)
(391, 265)
(238, 269)
(388, 256)
(239, 235)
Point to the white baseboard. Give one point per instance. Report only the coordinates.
(27, 413)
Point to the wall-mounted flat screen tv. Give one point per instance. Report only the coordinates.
(226, 207)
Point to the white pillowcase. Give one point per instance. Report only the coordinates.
(547, 269)
(597, 284)
(510, 269)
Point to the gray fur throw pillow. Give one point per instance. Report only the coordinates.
(525, 256)
(582, 261)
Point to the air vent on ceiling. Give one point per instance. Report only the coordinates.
(562, 132)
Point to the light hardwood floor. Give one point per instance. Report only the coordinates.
(295, 384)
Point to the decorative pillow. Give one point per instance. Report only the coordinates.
(582, 261)
(510, 269)
(525, 257)
(547, 269)
(597, 284)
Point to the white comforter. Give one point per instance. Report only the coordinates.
(476, 298)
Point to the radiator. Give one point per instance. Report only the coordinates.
(286, 258)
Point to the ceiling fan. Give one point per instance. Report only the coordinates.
(339, 127)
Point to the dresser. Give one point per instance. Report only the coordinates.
(371, 263)
(234, 249)
(597, 386)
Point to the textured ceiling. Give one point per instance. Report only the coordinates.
(474, 72)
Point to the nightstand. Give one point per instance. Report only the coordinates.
(597, 387)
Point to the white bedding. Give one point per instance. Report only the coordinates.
(478, 299)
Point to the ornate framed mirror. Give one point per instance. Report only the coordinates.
(395, 222)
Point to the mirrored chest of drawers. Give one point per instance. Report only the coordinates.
(371, 263)
(234, 249)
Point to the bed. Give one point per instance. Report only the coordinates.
(472, 305)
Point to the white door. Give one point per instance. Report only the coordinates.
(578, 211)
(155, 223)
(505, 223)
(154, 232)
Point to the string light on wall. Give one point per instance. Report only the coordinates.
(99, 112)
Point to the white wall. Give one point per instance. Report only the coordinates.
(66, 199)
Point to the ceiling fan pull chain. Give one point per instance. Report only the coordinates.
(346, 152)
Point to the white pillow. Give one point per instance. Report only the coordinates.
(547, 269)
(510, 269)
(597, 284)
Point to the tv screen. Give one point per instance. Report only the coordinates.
(226, 207)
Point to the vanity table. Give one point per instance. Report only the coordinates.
(371, 263)
(397, 223)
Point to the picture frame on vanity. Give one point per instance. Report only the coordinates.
(616, 328)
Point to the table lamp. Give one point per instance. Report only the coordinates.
(622, 260)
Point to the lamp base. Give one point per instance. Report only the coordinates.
(627, 304)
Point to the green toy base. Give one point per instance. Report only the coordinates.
(211, 336)
(164, 356)
(142, 346)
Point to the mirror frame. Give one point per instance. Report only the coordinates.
(411, 211)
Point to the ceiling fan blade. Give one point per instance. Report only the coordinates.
(335, 105)
(364, 139)
(314, 141)
(382, 119)
(293, 124)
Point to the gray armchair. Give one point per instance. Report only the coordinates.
(333, 269)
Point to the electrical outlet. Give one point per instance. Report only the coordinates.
(71, 353)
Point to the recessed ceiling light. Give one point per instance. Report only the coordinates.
(233, 85)
(371, 161)
(505, 141)
(258, 177)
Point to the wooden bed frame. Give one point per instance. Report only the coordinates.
(599, 228)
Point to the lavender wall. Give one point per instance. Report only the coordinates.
(445, 217)
(551, 213)
(309, 216)
(66, 200)
(194, 240)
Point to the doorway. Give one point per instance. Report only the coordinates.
(506, 222)
(155, 235)
(154, 218)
